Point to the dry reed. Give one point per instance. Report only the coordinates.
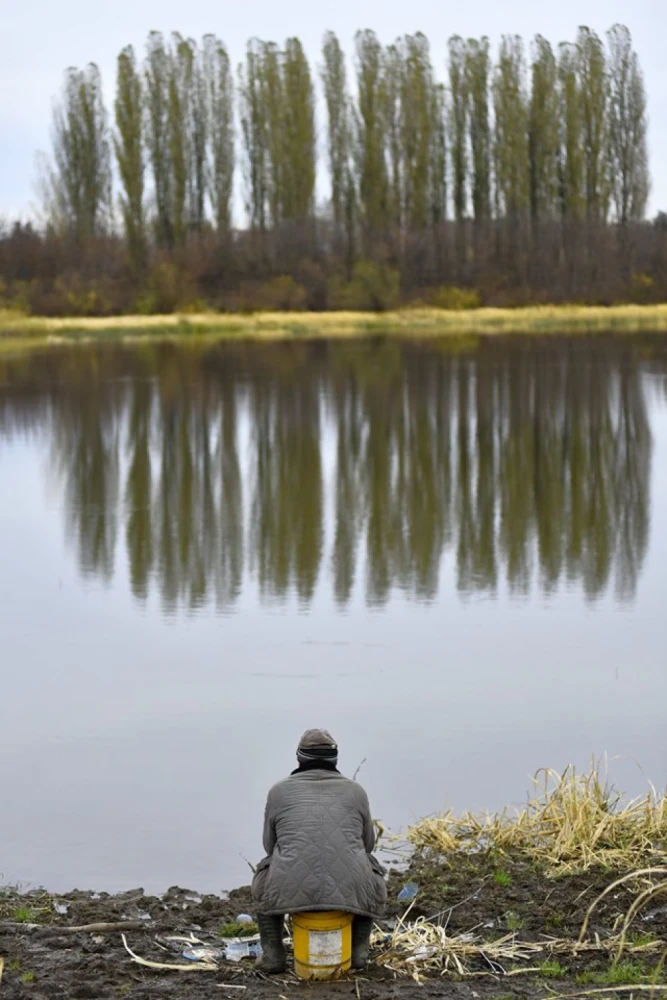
(424, 948)
(574, 822)
(417, 321)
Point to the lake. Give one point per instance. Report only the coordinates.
(450, 553)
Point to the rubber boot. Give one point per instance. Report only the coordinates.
(273, 958)
(361, 941)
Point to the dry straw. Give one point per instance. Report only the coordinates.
(423, 949)
(573, 823)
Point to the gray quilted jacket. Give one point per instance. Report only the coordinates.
(318, 837)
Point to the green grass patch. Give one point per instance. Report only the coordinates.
(236, 929)
(623, 974)
(552, 970)
(28, 977)
(639, 940)
(503, 879)
(513, 921)
(24, 908)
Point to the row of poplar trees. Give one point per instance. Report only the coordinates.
(548, 136)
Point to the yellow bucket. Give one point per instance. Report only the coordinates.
(322, 944)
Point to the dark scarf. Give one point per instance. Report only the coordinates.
(316, 765)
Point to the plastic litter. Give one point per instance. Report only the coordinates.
(203, 953)
(61, 908)
(408, 892)
(244, 918)
(240, 948)
(236, 950)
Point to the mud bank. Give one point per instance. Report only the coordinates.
(485, 897)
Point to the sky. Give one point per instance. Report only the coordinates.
(42, 38)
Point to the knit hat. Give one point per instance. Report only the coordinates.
(317, 744)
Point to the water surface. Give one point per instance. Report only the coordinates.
(450, 554)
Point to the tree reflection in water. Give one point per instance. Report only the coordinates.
(527, 462)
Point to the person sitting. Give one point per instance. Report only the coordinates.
(319, 838)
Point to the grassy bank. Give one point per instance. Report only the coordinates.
(569, 887)
(421, 322)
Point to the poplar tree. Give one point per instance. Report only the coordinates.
(511, 149)
(543, 141)
(477, 69)
(458, 116)
(438, 155)
(438, 178)
(180, 81)
(628, 158)
(273, 100)
(298, 130)
(81, 177)
(219, 89)
(511, 144)
(196, 107)
(254, 132)
(592, 82)
(394, 101)
(334, 81)
(417, 125)
(570, 156)
(372, 183)
(157, 75)
(129, 149)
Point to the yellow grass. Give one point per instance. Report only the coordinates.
(418, 321)
(573, 823)
(424, 948)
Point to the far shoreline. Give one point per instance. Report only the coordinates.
(22, 330)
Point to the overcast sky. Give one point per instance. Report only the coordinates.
(41, 38)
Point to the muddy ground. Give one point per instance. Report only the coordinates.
(486, 895)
